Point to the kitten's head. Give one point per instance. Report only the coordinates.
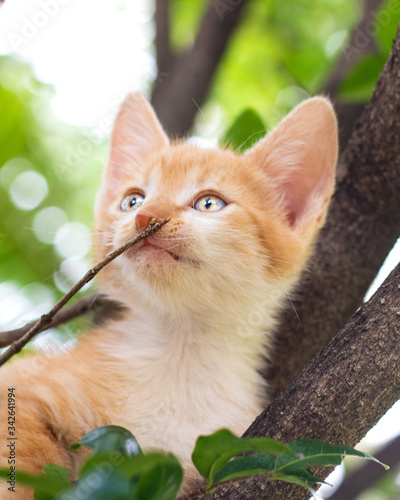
(242, 226)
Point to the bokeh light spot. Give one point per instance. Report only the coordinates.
(73, 240)
(47, 222)
(28, 190)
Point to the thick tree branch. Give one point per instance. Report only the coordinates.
(339, 396)
(46, 319)
(165, 57)
(177, 100)
(362, 227)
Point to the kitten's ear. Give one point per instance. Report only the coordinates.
(136, 134)
(299, 156)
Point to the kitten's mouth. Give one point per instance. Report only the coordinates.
(158, 246)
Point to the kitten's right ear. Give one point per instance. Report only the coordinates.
(136, 134)
(299, 156)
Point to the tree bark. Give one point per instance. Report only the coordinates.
(339, 396)
(362, 227)
(185, 87)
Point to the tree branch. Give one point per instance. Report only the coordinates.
(101, 305)
(165, 58)
(338, 397)
(362, 227)
(47, 318)
(188, 83)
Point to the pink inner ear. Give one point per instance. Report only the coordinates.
(300, 194)
(299, 156)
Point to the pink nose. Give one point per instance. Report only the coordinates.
(142, 220)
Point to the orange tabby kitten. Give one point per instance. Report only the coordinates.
(202, 295)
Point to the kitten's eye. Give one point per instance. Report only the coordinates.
(132, 202)
(209, 203)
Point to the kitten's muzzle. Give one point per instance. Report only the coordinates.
(159, 244)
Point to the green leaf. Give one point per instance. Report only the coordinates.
(213, 452)
(361, 80)
(246, 130)
(47, 485)
(162, 482)
(152, 474)
(54, 474)
(294, 479)
(260, 463)
(311, 452)
(302, 477)
(110, 438)
(96, 486)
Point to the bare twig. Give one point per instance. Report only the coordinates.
(100, 304)
(47, 318)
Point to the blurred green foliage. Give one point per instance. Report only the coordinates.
(280, 52)
(32, 139)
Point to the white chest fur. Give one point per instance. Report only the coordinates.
(181, 381)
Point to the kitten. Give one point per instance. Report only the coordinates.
(202, 295)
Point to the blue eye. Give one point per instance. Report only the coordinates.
(209, 203)
(132, 202)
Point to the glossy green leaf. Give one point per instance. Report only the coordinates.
(162, 482)
(154, 474)
(246, 130)
(97, 486)
(213, 452)
(309, 452)
(110, 438)
(258, 463)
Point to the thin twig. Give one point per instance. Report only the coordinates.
(98, 303)
(151, 229)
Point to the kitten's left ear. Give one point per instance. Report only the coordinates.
(299, 156)
(136, 134)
